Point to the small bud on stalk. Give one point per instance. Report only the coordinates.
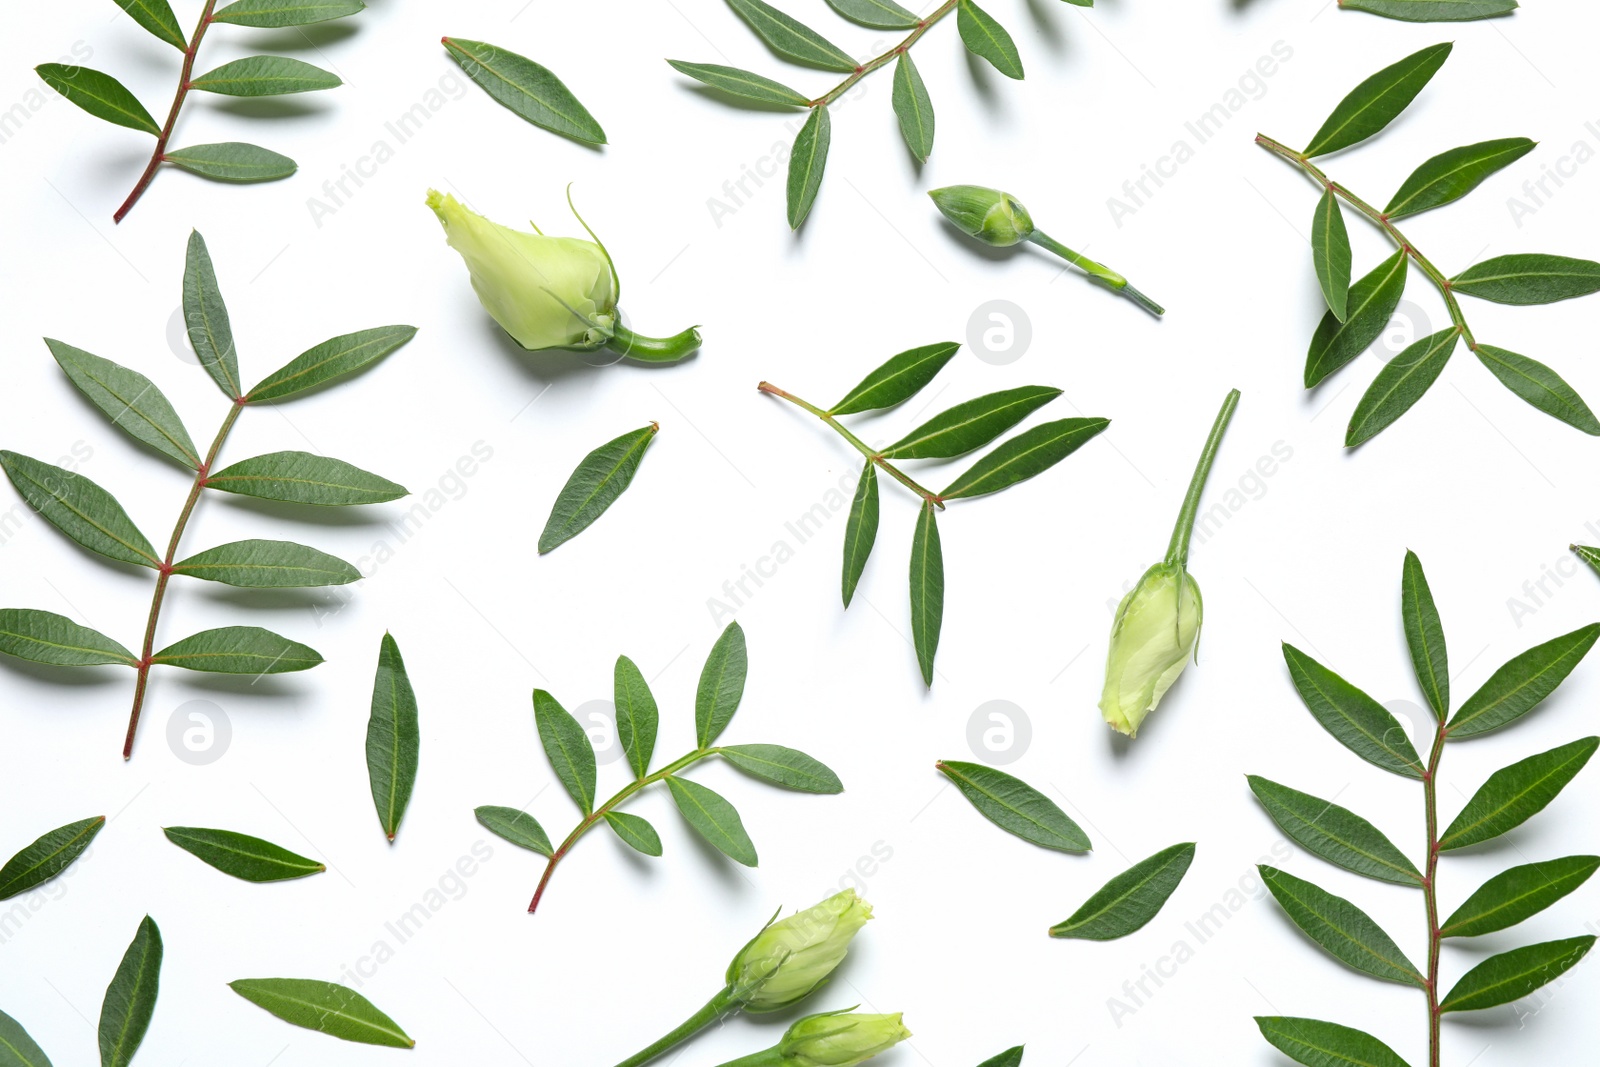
(831, 1039)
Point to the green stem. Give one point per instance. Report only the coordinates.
(159, 156)
(892, 54)
(1183, 530)
(1098, 271)
(1430, 890)
(653, 349)
(716, 1009)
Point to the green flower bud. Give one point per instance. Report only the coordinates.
(1154, 634)
(839, 1039)
(790, 958)
(990, 215)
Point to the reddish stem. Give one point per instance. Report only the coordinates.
(160, 154)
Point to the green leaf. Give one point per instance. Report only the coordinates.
(897, 380)
(714, 819)
(324, 1007)
(1131, 899)
(741, 83)
(1344, 930)
(1400, 384)
(80, 509)
(46, 857)
(45, 637)
(806, 164)
(130, 999)
(1539, 386)
(275, 14)
(878, 14)
(1011, 1057)
(1369, 308)
(157, 17)
(1528, 278)
(130, 400)
(1517, 793)
(238, 650)
(1425, 636)
(567, 747)
(1015, 806)
(721, 686)
(595, 485)
(1330, 253)
(241, 855)
(1376, 102)
(927, 590)
(265, 76)
(1513, 975)
(971, 424)
(99, 94)
(637, 716)
(860, 530)
(791, 39)
(637, 833)
(1514, 895)
(1337, 834)
(1589, 555)
(985, 37)
(525, 88)
(1320, 1044)
(518, 827)
(304, 478)
(912, 107)
(206, 318)
(17, 1048)
(784, 766)
(394, 738)
(1358, 722)
(1432, 10)
(1525, 680)
(1025, 455)
(268, 565)
(1451, 175)
(333, 358)
(232, 161)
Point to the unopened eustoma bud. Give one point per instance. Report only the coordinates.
(832, 1039)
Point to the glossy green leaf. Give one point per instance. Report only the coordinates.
(232, 161)
(594, 486)
(1512, 896)
(238, 650)
(721, 685)
(157, 17)
(1015, 806)
(806, 163)
(1321, 1044)
(791, 39)
(1368, 309)
(265, 76)
(205, 318)
(17, 1047)
(637, 715)
(45, 637)
(130, 400)
(1376, 102)
(1513, 975)
(877, 14)
(1021, 457)
(332, 359)
(1517, 793)
(99, 94)
(1451, 175)
(518, 827)
(912, 107)
(1344, 930)
(1330, 253)
(1011, 1057)
(1337, 834)
(1425, 636)
(567, 747)
(784, 766)
(525, 88)
(268, 565)
(325, 1007)
(714, 819)
(1539, 386)
(1588, 554)
(861, 529)
(971, 424)
(304, 478)
(130, 999)
(80, 509)
(1131, 899)
(47, 856)
(927, 590)
(897, 380)
(635, 832)
(1358, 722)
(241, 855)
(394, 738)
(1528, 278)
(1522, 683)
(985, 37)
(1400, 384)
(1432, 10)
(741, 83)
(275, 14)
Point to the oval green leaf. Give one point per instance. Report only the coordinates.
(265, 76)
(721, 685)
(518, 827)
(971, 424)
(713, 819)
(1021, 457)
(130, 999)
(899, 379)
(791, 39)
(1528, 278)
(877, 14)
(1512, 896)
(787, 767)
(1131, 899)
(985, 37)
(1337, 834)
(1425, 636)
(595, 485)
(1451, 175)
(47, 856)
(1517, 793)
(635, 832)
(1539, 386)
(394, 738)
(637, 715)
(861, 529)
(17, 1047)
(1321, 1044)
(1015, 806)
(232, 161)
(567, 747)
(241, 855)
(205, 318)
(157, 17)
(130, 400)
(1368, 309)
(80, 509)
(1432, 10)
(1513, 975)
(276, 14)
(1522, 683)
(1357, 721)
(304, 478)
(325, 1007)
(99, 94)
(741, 83)
(268, 565)
(1344, 930)
(525, 88)
(927, 590)
(332, 359)
(806, 163)
(45, 637)
(1399, 385)
(913, 107)
(1330, 253)
(238, 650)
(1376, 102)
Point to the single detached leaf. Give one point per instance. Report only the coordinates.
(394, 739)
(791, 39)
(1425, 636)
(518, 827)
(897, 380)
(637, 715)
(567, 747)
(17, 1048)
(1368, 309)
(304, 478)
(238, 650)
(806, 163)
(927, 590)
(332, 359)
(130, 400)
(783, 766)
(912, 107)
(861, 529)
(635, 832)
(1131, 899)
(99, 94)
(1513, 975)
(1021, 457)
(1015, 806)
(1358, 722)
(275, 14)
(526, 88)
(985, 37)
(1514, 895)
(232, 161)
(878, 14)
(130, 999)
(1344, 930)
(325, 1007)
(45, 637)
(1539, 386)
(1011, 1057)
(1432, 10)
(599, 479)
(1376, 102)
(1330, 253)
(1320, 1044)
(1517, 793)
(47, 857)
(157, 17)
(1588, 554)
(206, 318)
(1522, 683)
(1400, 384)
(265, 76)
(714, 819)
(1528, 278)
(268, 565)
(1337, 834)
(80, 509)
(721, 686)
(1451, 175)
(971, 424)
(740, 83)
(241, 855)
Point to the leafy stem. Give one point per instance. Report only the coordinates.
(1430, 890)
(158, 157)
(1183, 530)
(888, 57)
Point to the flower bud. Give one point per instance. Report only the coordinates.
(791, 957)
(840, 1039)
(1152, 639)
(991, 216)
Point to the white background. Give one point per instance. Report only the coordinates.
(1487, 490)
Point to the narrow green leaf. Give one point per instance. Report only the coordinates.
(897, 380)
(1451, 175)
(714, 819)
(1588, 554)
(157, 17)
(1337, 834)
(985, 37)
(1368, 309)
(206, 318)
(268, 565)
(635, 832)
(17, 1048)
(332, 359)
(791, 39)
(637, 715)
(1513, 975)
(276, 14)
(99, 94)
(1528, 278)
(1400, 384)
(912, 107)
(1512, 896)
(325, 1007)
(1021, 457)
(784, 766)
(1517, 793)
(130, 999)
(1330, 253)
(238, 650)
(1131, 899)
(265, 76)
(1344, 930)
(394, 738)
(45, 637)
(1011, 1057)
(806, 163)
(1425, 636)
(1539, 386)
(1358, 722)
(1522, 683)
(594, 486)
(525, 88)
(46, 857)
(304, 478)
(878, 14)
(971, 424)
(1015, 806)
(1320, 1044)
(241, 855)
(721, 686)
(232, 161)
(80, 509)
(927, 590)
(518, 827)
(861, 529)
(741, 83)
(1432, 10)
(130, 400)
(1376, 102)
(567, 747)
